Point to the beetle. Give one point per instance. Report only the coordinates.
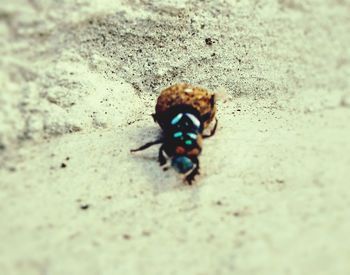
(183, 112)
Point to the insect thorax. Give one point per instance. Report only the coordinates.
(182, 128)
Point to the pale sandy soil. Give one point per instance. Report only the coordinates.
(79, 81)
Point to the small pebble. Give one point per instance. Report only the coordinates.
(209, 41)
(84, 206)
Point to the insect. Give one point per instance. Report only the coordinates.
(183, 112)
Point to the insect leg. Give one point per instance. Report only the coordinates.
(212, 132)
(149, 144)
(190, 177)
(161, 157)
(154, 117)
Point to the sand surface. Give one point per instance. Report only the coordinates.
(79, 80)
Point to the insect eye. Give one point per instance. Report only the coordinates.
(176, 119)
(177, 134)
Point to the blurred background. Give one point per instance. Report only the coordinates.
(79, 80)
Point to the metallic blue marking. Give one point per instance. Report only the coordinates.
(177, 134)
(192, 135)
(176, 119)
(194, 120)
(188, 142)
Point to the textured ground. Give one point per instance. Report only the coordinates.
(79, 81)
